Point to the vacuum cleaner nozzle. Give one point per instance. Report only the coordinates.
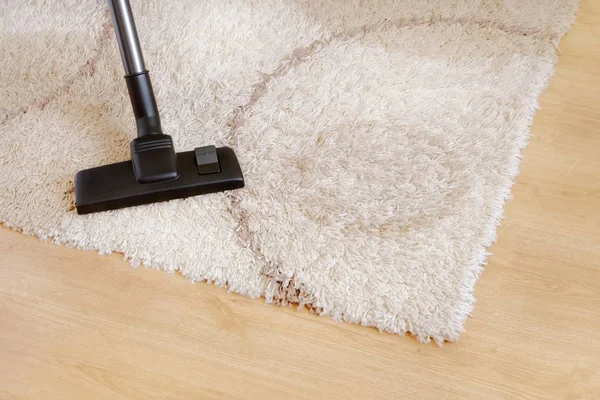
(204, 170)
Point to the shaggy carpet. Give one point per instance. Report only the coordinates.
(379, 141)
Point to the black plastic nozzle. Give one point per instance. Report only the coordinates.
(152, 152)
(144, 104)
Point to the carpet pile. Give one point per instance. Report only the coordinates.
(379, 141)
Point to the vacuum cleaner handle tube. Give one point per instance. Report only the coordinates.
(136, 75)
(129, 43)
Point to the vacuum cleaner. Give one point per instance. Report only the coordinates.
(155, 172)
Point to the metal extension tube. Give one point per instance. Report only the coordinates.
(129, 43)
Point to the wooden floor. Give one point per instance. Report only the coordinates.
(75, 325)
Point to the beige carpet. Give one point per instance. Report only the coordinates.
(379, 141)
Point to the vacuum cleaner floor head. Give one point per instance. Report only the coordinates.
(204, 170)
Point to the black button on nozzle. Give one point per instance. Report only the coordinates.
(207, 160)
